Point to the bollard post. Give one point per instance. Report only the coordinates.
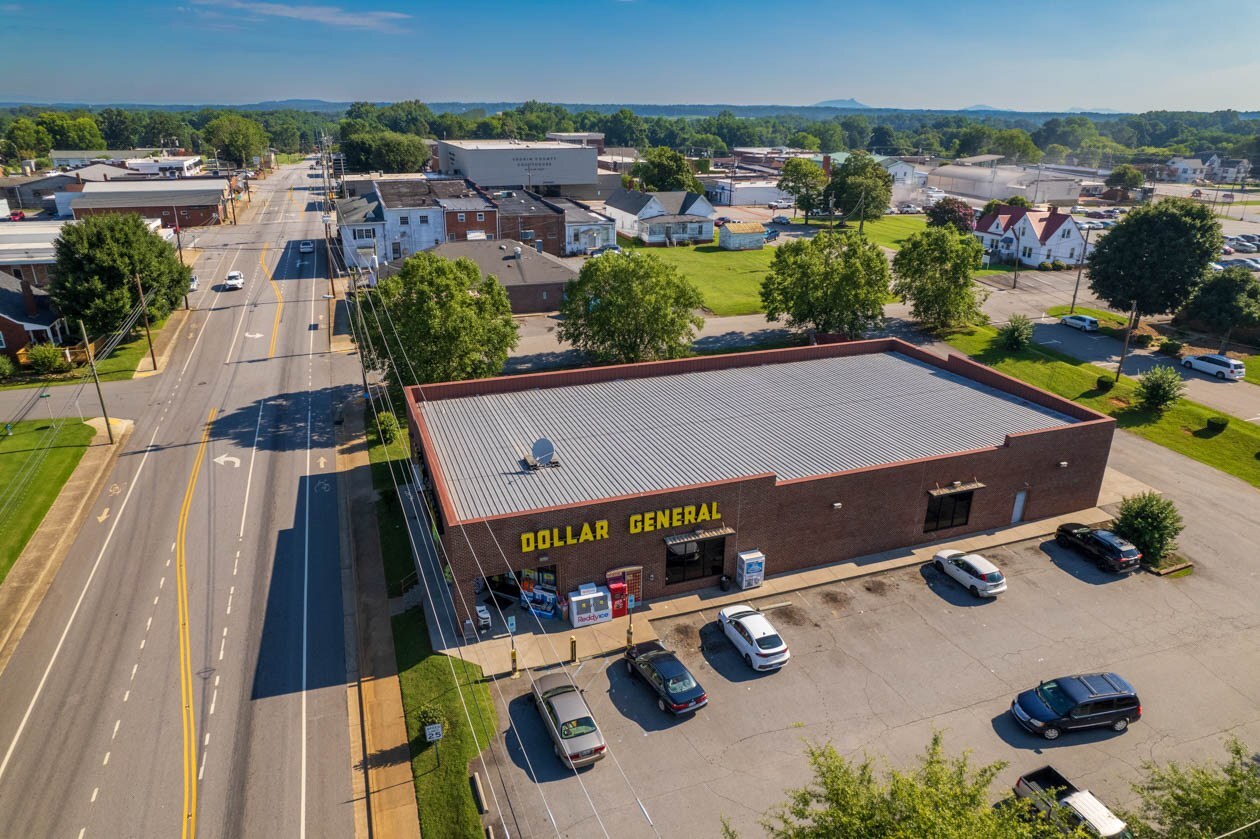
(573, 649)
(629, 636)
(515, 672)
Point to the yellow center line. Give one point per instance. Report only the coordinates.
(185, 654)
(275, 327)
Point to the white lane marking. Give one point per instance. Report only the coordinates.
(202, 771)
(1253, 419)
(105, 762)
(222, 644)
(95, 792)
(306, 563)
(155, 599)
(214, 698)
(207, 741)
(161, 582)
(116, 724)
(225, 632)
(172, 547)
(168, 563)
(126, 696)
(142, 643)
(249, 479)
(43, 680)
(82, 832)
(148, 624)
(134, 668)
(216, 681)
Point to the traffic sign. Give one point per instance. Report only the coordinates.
(433, 733)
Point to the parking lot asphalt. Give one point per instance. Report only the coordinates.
(880, 662)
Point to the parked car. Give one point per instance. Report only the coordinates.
(1095, 214)
(17, 215)
(1121, 210)
(1107, 550)
(1071, 702)
(677, 691)
(1105, 225)
(911, 208)
(754, 637)
(1252, 263)
(1077, 208)
(771, 235)
(192, 283)
(1243, 246)
(1226, 250)
(306, 247)
(781, 220)
(1216, 266)
(1219, 366)
(781, 205)
(1060, 800)
(235, 280)
(575, 737)
(606, 249)
(721, 220)
(1082, 322)
(890, 211)
(972, 571)
(1250, 237)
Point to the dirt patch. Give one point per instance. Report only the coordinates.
(1119, 403)
(683, 636)
(876, 586)
(792, 615)
(836, 598)
(1187, 430)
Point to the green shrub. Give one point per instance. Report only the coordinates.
(1105, 383)
(1217, 423)
(1059, 265)
(1170, 347)
(1043, 266)
(1016, 333)
(1159, 388)
(1143, 340)
(47, 358)
(387, 428)
(430, 713)
(7, 367)
(1151, 522)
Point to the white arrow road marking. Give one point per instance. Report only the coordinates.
(104, 515)
(253, 334)
(321, 463)
(223, 459)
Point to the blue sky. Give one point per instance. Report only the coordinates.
(1124, 54)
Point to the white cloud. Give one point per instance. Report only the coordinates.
(330, 15)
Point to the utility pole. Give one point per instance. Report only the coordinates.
(1124, 351)
(1018, 258)
(1079, 267)
(109, 429)
(145, 309)
(179, 244)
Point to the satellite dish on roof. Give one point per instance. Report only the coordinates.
(542, 454)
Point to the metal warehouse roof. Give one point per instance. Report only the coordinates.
(796, 419)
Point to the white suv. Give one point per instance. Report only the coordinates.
(1216, 365)
(235, 279)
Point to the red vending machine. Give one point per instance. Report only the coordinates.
(620, 599)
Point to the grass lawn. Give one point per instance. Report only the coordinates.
(729, 280)
(443, 791)
(128, 357)
(893, 231)
(285, 157)
(400, 568)
(21, 451)
(1183, 428)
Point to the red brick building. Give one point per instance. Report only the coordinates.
(670, 469)
(527, 218)
(176, 202)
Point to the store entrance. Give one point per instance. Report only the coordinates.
(530, 588)
(694, 559)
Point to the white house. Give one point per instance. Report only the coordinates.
(903, 172)
(742, 236)
(1232, 170)
(1035, 235)
(584, 229)
(661, 218)
(1186, 170)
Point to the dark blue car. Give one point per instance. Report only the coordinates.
(1088, 701)
(677, 691)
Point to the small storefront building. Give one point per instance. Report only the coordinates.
(616, 485)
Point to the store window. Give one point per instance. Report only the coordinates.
(694, 560)
(944, 511)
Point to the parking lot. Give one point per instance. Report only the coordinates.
(877, 664)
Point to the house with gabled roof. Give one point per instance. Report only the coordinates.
(661, 218)
(1032, 236)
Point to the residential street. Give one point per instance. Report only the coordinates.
(186, 670)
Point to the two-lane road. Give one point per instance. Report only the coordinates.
(185, 674)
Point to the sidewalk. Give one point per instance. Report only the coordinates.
(36, 568)
(380, 753)
(551, 646)
(164, 343)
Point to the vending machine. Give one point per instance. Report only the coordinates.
(750, 569)
(588, 605)
(620, 599)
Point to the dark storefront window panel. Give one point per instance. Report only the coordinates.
(946, 511)
(694, 560)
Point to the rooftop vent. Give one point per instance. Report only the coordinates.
(542, 454)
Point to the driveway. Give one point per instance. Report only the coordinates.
(879, 663)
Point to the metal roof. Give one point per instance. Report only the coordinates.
(796, 419)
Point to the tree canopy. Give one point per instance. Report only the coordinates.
(665, 170)
(1200, 800)
(1125, 176)
(952, 212)
(804, 181)
(98, 259)
(385, 151)
(438, 316)
(28, 138)
(834, 282)
(1155, 257)
(933, 270)
(860, 188)
(1225, 301)
(241, 139)
(630, 307)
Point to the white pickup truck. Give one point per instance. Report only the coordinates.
(1058, 798)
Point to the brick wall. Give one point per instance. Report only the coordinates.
(547, 228)
(489, 224)
(192, 216)
(38, 273)
(15, 337)
(542, 297)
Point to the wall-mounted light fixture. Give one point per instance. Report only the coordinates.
(836, 505)
(1063, 464)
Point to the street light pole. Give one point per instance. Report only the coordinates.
(1079, 267)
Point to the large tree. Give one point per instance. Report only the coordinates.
(665, 170)
(162, 129)
(625, 128)
(1015, 145)
(28, 138)
(952, 212)
(804, 180)
(860, 188)
(1126, 176)
(119, 128)
(436, 320)
(98, 260)
(942, 797)
(1225, 301)
(385, 151)
(834, 282)
(933, 270)
(1155, 258)
(1200, 800)
(630, 307)
(239, 138)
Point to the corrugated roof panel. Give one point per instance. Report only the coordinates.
(794, 420)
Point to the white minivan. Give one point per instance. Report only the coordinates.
(1219, 366)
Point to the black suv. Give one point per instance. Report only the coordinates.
(1107, 550)
(1088, 701)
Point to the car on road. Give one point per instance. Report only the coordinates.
(575, 737)
(192, 283)
(781, 220)
(235, 279)
(17, 215)
(1092, 700)
(781, 205)
(306, 247)
(754, 637)
(1103, 547)
(1222, 367)
(971, 571)
(1082, 322)
(677, 691)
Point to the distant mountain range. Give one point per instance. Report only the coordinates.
(1094, 111)
(982, 108)
(841, 103)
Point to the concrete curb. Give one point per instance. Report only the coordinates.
(164, 345)
(32, 575)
